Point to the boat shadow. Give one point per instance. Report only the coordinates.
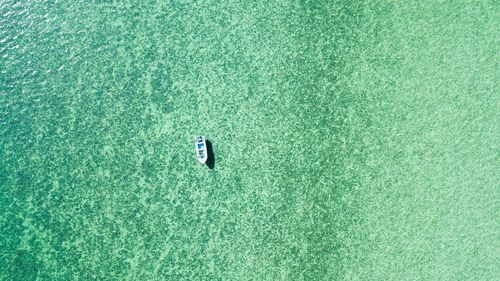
(210, 155)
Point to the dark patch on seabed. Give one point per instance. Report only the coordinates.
(98, 180)
(210, 156)
(99, 132)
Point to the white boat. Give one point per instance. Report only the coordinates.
(201, 149)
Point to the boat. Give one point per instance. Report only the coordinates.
(200, 145)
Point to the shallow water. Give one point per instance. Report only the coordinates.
(351, 141)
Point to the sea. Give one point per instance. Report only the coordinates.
(351, 140)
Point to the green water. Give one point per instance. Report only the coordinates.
(352, 140)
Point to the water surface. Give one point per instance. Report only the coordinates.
(353, 141)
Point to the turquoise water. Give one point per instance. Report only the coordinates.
(352, 140)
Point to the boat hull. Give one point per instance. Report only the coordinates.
(200, 146)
